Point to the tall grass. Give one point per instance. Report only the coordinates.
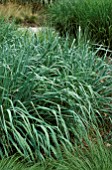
(94, 17)
(51, 93)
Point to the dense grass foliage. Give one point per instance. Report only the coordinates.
(55, 92)
(96, 157)
(94, 17)
(51, 93)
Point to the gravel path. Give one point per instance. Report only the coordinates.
(33, 29)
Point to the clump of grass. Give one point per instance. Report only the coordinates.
(51, 93)
(93, 16)
(61, 16)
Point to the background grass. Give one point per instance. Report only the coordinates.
(94, 18)
(24, 14)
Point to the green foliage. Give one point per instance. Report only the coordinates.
(6, 30)
(51, 93)
(94, 157)
(97, 159)
(93, 16)
(62, 15)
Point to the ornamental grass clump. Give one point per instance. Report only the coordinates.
(52, 92)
